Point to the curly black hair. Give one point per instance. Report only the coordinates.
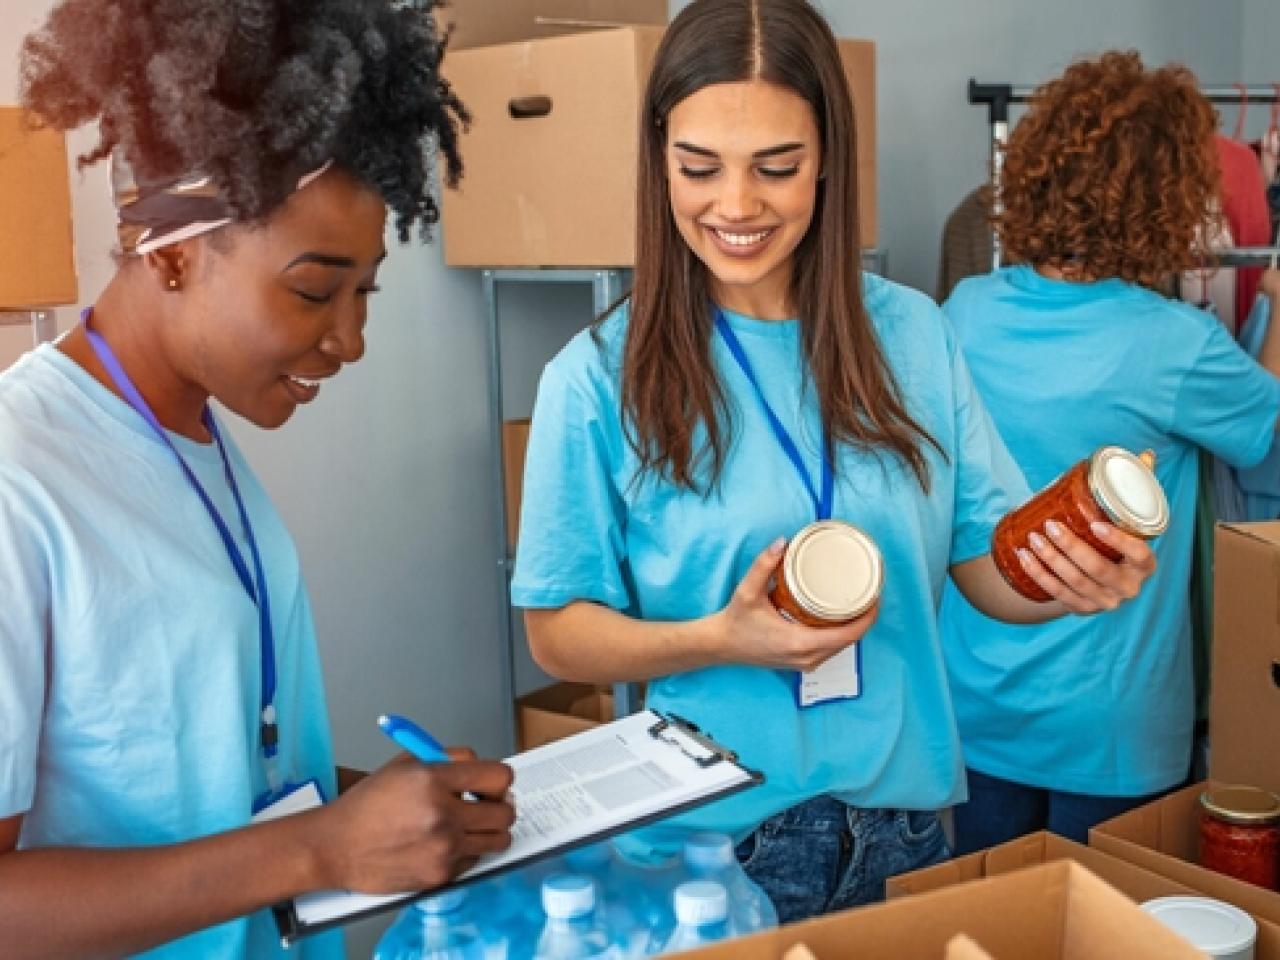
(255, 93)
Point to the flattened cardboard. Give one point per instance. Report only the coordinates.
(1164, 837)
(480, 23)
(1135, 882)
(37, 258)
(1244, 717)
(558, 188)
(1058, 910)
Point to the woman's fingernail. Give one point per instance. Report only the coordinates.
(1024, 555)
(1053, 528)
(777, 545)
(1038, 541)
(1100, 528)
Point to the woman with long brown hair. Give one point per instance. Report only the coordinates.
(752, 382)
(1108, 181)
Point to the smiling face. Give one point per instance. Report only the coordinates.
(274, 309)
(743, 161)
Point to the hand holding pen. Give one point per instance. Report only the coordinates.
(419, 820)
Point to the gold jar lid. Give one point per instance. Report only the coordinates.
(833, 569)
(1128, 492)
(1243, 805)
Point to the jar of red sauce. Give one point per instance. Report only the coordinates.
(1113, 485)
(830, 573)
(1240, 834)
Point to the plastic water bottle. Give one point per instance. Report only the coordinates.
(710, 856)
(702, 916)
(574, 929)
(438, 928)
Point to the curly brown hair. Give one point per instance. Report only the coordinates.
(1111, 173)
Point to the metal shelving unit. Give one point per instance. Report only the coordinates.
(607, 285)
(41, 321)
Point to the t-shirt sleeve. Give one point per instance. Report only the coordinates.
(988, 482)
(25, 586)
(1227, 402)
(571, 544)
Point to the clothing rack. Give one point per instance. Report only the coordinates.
(998, 96)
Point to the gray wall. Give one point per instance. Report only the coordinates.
(385, 481)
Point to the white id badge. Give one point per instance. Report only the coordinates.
(840, 678)
(294, 798)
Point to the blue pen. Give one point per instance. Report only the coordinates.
(412, 738)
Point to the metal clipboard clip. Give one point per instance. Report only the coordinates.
(681, 734)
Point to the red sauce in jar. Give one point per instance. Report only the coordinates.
(1240, 834)
(1111, 486)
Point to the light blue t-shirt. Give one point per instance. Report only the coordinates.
(591, 531)
(1099, 705)
(129, 651)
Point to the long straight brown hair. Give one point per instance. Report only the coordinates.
(669, 383)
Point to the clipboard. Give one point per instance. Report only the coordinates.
(604, 781)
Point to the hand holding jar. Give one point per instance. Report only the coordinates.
(1082, 539)
(757, 633)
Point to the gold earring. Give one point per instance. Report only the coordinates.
(173, 283)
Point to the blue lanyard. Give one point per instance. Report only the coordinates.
(821, 502)
(255, 586)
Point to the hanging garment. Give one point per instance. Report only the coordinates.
(1244, 202)
(967, 242)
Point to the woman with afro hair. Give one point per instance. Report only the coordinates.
(159, 677)
(1109, 180)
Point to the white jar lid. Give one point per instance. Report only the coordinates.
(568, 895)
(1126, 488)
(706, 850)
(833, 569)
(701, 901)
(1217, 928)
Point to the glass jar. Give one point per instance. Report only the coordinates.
(1113, 485)
(1240, 834)
(830, 573)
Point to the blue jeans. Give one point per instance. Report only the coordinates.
(1000, 810)
(821, 855)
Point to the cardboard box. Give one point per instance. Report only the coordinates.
(515, 440)
(1058, 910)
(1164, 837)
(559, 711)
(37, 259)
(1244, 706)
(478, 23)
(550, 157)
(1130, 879)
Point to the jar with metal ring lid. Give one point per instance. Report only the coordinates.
(831, 573)
(1240, 834)
(1113, 486)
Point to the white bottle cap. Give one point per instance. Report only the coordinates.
(706, 850)
(1219, 929)
(701, 901)
(568, 895)
(443, 903)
